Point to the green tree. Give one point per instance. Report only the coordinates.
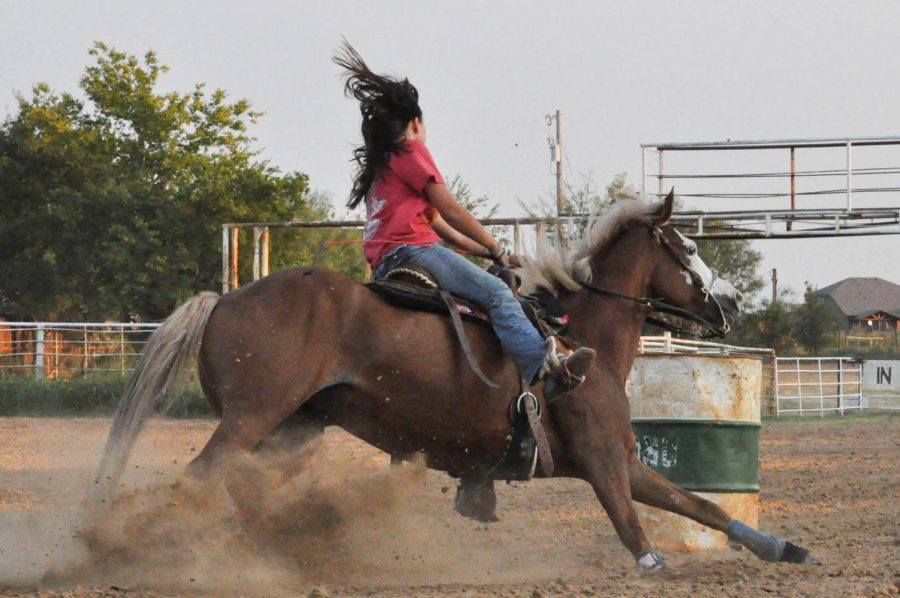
(813, 322)
(735, 261)
(111, 205)
(771, 325)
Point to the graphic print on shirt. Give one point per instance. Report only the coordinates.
(373, 207)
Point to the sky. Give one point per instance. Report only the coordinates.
(621, 73)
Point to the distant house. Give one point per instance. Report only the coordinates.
(864, 303)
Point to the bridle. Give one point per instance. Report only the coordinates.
(659, 305)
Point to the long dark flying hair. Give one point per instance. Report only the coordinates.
(387, 105)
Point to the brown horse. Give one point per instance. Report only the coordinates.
(307, 347)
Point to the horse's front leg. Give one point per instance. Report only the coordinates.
(594, 445)
(652, 489)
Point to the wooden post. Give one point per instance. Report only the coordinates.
(517, 239)
(234, 258)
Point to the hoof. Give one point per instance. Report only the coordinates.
(797, 554)
(650, 562)
(476, 500)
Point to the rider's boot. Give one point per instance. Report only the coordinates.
(564, 369)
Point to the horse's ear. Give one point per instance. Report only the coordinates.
(665, 210)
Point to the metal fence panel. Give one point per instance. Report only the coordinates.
(817, 385)
(66, 349)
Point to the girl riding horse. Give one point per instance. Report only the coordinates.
(409, 210)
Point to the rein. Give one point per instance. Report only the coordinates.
(658, 305)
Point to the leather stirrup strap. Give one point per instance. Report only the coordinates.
(537, 429)
(463, 341)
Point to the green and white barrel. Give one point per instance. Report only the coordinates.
(696, 419)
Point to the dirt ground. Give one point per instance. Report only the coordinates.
(351, 525)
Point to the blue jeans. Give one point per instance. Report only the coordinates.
(518, 336)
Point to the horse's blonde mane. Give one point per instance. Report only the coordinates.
(554, 267)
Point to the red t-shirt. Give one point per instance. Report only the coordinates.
(397, 209)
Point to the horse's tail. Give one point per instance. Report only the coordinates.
(164, 365)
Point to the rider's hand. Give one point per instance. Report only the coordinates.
(500, 256)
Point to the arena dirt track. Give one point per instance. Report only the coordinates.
(362, 528)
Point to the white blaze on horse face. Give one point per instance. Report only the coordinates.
(717, 287)
(697, 265)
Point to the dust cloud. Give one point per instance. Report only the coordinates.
(253, 530)
(348, 521)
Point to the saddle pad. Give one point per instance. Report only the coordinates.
(421, 298)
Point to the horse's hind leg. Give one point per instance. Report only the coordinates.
(240, 431)
(287, 451)
(650, 488)
(277, 459)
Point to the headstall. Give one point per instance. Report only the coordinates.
(658, 305)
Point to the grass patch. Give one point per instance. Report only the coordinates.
(867, 416)
(85, 397)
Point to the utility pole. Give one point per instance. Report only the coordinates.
(774, 285)
(559, 165)
(556, 155)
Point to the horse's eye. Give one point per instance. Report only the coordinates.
(692, 250)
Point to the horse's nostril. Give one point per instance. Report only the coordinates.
(738, 297)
